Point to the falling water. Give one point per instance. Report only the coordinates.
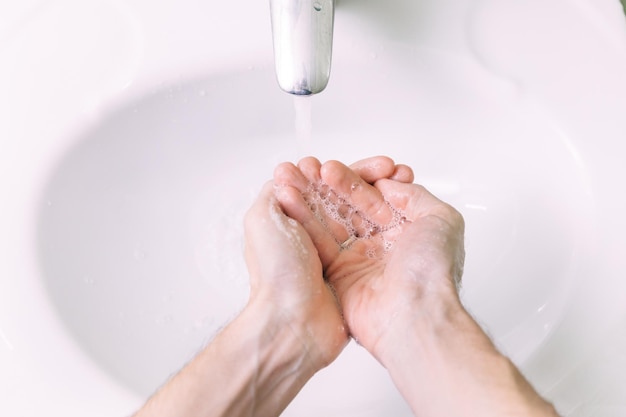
(6, 341)
(302, 106)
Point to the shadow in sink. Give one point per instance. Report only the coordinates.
(140, 234)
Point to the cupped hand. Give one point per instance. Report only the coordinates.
(286, 277)
(385, 245)
(286, 272)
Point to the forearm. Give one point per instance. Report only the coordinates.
(254, 367)
(445, 365)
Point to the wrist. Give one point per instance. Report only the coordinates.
(262, 364)
(280, 341)
(434, 351)
(254, 366)
(311, 326)
(432, 310)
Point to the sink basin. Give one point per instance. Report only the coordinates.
(134, 150)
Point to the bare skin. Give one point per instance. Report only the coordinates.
(401, 303)
(371, 290)
(291, 327)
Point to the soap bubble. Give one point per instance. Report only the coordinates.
(326, 204)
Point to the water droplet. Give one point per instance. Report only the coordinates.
(139, 255)
(202, 323)
(88, 280)
(317, 6)
(165, 319)
(202, 93)
(355, 186)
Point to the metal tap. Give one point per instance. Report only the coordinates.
(302, 32)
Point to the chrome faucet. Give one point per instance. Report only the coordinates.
(302, 31)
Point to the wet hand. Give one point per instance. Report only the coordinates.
(286, 277)
(384, 245)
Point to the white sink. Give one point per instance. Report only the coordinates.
(134, 136)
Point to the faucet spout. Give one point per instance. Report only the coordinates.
(302, 32)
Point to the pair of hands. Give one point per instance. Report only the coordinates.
(333, 252)
(323, 278)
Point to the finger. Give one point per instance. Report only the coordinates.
(402, 173)
(374, 168)
(287, 174)
(294, 205)
(307, 180)
(363, 197)
(332, 213)
(310, 168)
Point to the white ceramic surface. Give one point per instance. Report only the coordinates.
(133, 135)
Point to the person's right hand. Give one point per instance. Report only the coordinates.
(406, 254)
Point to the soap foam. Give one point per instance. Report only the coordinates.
(326, 204)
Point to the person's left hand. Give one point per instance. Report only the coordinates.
(286, 276)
